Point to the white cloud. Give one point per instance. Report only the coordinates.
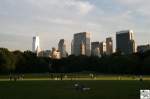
(77, 6)
(130, 2)
(61, 18)
(140, 7)
(83, 7)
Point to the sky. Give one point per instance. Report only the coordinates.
(53, 20)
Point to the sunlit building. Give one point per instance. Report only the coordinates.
(95, 49)
(55, 54)
(82, 49)
(36, 45)
(109, 46)
(83, 39)
(102, 48)
(62, 48)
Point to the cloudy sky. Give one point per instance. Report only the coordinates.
(52, 20)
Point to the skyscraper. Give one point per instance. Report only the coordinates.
(143, 48)
(82, 49)
(125, 42)
(72, 44)
(82, 38)
(102, 48)
(55, 54)
(109, 46)
(36, 44)
(95, 49)
(45, 53)
(97, 52)
(62, 48)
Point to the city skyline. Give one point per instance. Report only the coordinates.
(21, 20)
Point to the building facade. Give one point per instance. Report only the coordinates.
(102, 48)
(45, 53)
(55, 54)
(62, 48)
(143, 48)
(72, 47)
(83, 39)
(109, 46)
(125, 42)
(36, 45)
(82, 49)
(95, 51)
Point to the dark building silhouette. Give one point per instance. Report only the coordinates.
(125, 42)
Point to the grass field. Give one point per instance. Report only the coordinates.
(76, 77)
(100, 89)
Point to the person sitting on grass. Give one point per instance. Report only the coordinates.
(80, 87)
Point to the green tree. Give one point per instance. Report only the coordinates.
(7, 61)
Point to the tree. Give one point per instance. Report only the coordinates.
(7, 61)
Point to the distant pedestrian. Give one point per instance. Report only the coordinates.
(15, 78)
(10, 77)
(141, 78)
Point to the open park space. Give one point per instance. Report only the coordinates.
(64, 89)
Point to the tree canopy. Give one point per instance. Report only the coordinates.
(28, 62)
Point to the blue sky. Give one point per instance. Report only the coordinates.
(56, 19)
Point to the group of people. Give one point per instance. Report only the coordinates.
(16, 77)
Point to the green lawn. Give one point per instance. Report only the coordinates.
(100, 89)
(76, 76)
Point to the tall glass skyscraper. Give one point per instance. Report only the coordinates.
(125, 42)
(72, 45)
(82, 38)
(62, 48)
(94, 48)
(36, 44)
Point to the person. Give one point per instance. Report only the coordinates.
(141, 79)
(15, 78)
(61, 76)
(76, 85)
(81, 87)
(10, 77)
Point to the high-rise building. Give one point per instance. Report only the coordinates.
(109, 46)
(125, 42)
(82, 49)
(72, 44)
(143, 48)
(62, 48)
(45, 53)
(102, 48)
(36, 45)
(82, 38)
(95, 51)
(55, 54)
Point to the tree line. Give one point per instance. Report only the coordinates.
(28, 62)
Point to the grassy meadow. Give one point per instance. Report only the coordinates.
(101, 87)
